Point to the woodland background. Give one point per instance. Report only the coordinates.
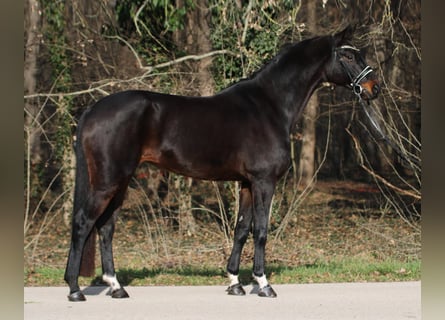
(79, 51)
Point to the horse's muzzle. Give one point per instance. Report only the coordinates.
(370, 89)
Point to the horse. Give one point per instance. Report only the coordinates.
(242, 133)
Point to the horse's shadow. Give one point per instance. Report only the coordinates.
(94, 290)
(127, 276)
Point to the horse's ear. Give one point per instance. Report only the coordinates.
(345, 35)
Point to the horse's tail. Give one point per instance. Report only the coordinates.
(81, 193)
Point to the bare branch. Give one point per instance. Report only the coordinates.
(246, 21)
(149, 69)
(378, 177)
(189, 57)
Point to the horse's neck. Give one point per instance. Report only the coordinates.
(299, 106)
(292, 89)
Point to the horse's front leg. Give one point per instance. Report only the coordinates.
(262, 192)
(242, 230)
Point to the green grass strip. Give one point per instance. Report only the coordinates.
(350, 270)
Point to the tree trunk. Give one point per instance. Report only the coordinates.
(307, 155)
(195, 39)
(97, 57)
(32, 123)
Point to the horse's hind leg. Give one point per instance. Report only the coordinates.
(80, 232)
(105, 226)
(83, 223)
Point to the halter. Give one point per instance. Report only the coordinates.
(355, 85)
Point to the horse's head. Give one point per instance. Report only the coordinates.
(349, 68)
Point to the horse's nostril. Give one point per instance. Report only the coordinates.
(375, 88)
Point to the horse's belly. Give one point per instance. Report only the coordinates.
(198, 165)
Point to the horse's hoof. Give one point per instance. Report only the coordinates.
(76, 296)
(236, 290)
(267, 291)
(119, 293)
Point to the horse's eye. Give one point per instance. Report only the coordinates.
(349, 56)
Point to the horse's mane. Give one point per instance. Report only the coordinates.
(285, 50)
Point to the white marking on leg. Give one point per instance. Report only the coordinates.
(262, 281)
(112, 282)
(233, 279)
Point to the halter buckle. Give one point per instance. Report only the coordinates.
(357, 89)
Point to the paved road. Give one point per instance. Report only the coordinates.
(376, 301)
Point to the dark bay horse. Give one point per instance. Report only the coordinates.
(240, 134)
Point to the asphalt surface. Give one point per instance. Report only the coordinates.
(376, 301)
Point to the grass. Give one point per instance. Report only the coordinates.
(349, 270)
